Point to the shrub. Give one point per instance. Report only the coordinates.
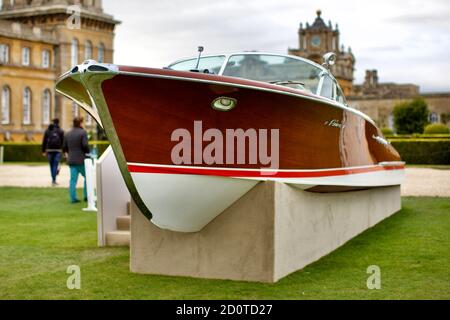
(22, 152)
(32, 152)
(410, 117)
(437, 128)
(387, 131)
(423, 151)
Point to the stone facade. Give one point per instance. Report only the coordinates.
(372, 88)
(379, 99)
(319, 38)
(380, 109)
(37, 45)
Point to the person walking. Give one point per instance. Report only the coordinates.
(52, 144)
(75, 149)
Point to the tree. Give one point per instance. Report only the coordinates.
(411, 117)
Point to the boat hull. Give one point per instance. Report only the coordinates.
(187, 199)
(322, 146)
(151, 109)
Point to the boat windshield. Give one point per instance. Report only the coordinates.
(274, 69)
(212, 64)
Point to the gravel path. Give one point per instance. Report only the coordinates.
(426, 182)
(419, 181)
(33, 176)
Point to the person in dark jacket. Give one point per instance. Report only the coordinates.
(52, 148)
(75, 148)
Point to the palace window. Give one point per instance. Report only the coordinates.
(6, 103)
(74, 52)
(101, 53)
(75, 110)
(45, 59)
(26, 55)
(46, 107)
(26, 119)
(391, 121)
(434, 117)
(88, 120)
(4, 53)
(88, 50)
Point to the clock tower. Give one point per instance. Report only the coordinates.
(319, 38)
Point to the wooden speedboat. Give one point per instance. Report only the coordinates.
(192, 138)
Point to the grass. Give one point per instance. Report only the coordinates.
(41, 235)
(31, 164)
(430, 166)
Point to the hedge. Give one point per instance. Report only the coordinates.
(423, 151)
(387, 131)
(32, 152)
(412, 151)
(417, 136)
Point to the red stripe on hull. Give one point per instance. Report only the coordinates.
(236, 173)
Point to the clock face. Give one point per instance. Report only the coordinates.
(315, 41)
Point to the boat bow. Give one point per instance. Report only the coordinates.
(83, 85)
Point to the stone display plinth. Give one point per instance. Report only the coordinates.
(270, 232)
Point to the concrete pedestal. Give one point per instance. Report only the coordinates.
(270, 232)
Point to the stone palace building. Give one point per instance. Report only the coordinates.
(39, 41)
(376, 99)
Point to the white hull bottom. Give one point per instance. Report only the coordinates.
(188, 202)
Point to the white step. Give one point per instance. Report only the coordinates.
(123, 223)
(118, 238)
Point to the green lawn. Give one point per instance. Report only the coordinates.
(430, 166)
(31, 164)
(41, 235)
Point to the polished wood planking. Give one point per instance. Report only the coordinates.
(146, 111)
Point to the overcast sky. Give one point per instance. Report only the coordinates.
(408, 41)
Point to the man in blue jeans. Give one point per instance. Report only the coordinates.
(75, 148)
(52, 148)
